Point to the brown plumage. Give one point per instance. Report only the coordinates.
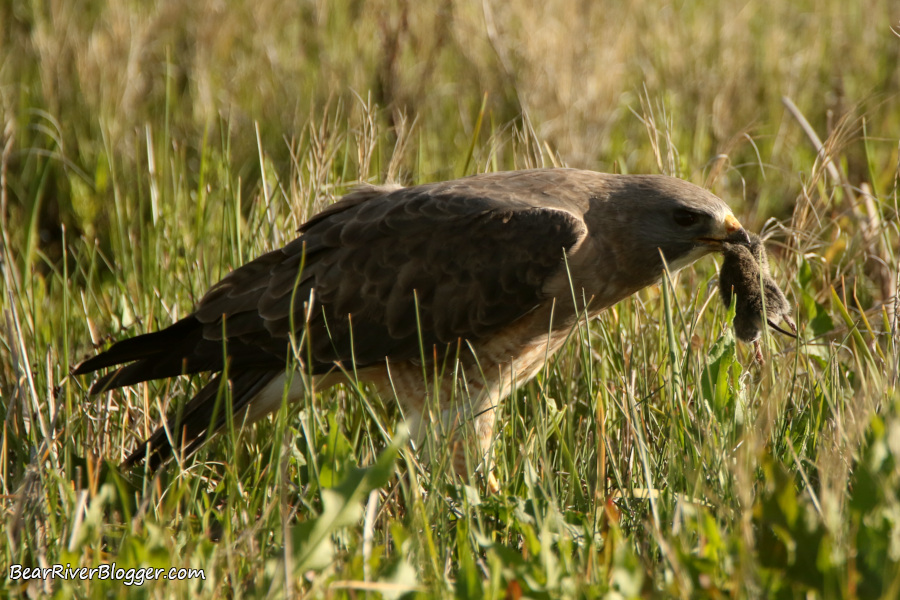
(745, 273)
(485, 275)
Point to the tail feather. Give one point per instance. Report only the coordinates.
(143, 346)
(182, 349)
(179, 349)
(171, 363)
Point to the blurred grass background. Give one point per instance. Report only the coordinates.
(150, 147)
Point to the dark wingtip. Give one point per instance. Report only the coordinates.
(106, 382)
(187, 435)
(135, 457)
(154, 457)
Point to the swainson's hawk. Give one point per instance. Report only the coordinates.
(484, 275)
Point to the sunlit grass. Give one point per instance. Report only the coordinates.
(150, 149)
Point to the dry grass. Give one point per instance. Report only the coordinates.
(148, 148)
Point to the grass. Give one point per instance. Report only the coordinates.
(149, 149)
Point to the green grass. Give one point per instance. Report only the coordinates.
(148, 150)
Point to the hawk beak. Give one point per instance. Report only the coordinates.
(731, 224)
(735, 232)
(730, 231)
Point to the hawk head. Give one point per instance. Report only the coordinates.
(640, 224)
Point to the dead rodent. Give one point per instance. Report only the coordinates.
(743, 269)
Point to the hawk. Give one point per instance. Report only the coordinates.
(444, 296)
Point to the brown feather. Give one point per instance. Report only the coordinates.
(481, 262)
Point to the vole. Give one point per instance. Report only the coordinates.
(745, 272)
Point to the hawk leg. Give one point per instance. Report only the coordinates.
(464, 430)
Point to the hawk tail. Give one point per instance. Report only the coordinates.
(156, 355)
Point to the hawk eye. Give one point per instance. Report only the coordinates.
(685, 218)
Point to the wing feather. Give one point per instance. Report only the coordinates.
(463, 259)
